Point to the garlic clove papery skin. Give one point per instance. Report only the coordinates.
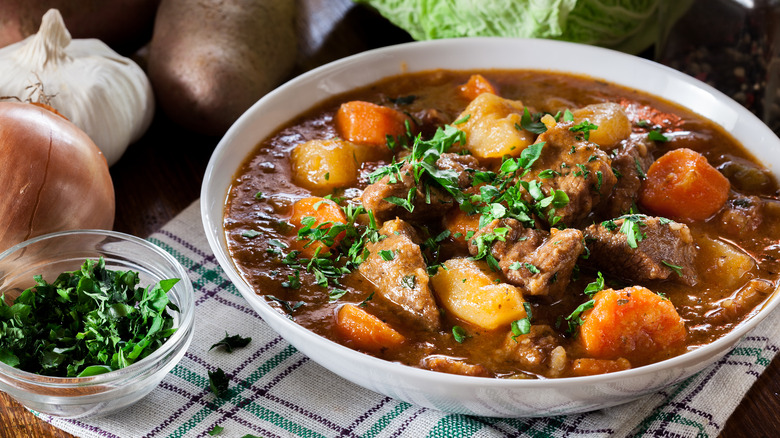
(105, 94)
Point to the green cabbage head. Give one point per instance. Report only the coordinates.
(627, 25)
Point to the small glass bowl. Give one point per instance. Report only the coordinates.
(80, 397)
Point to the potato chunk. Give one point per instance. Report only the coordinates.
(491, 129)
(633, 323)
(323, 165)
(611, 119)
(727, 263)
(470, 291)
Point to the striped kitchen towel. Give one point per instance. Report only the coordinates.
(275, 391)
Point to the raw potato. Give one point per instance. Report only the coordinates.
(468, 290)
(210, 60)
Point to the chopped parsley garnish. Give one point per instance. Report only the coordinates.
(87, 322)
(595, 286)
(231, 342)
(335, 294)
(531, 268)
(631, 227)
(250, 234)
(639, 170)
(364, 303)
(584, 127)
(409, 281)
(677, 269)
(288, 306)
(218, 382)
(387, 254)
(656, 135)
(293, 280)
(574, 319)
(522, 326)
(459, 333)
(532, 123)
(216, 430)
(407, 204)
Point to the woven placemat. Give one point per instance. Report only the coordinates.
(275, 391)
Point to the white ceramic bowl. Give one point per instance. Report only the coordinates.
(80, 397)
(454, 393)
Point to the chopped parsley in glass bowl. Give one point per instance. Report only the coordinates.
(91, 322)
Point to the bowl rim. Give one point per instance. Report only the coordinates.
(216, 239)
(187, 317)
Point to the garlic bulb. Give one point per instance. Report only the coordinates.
(105, 94)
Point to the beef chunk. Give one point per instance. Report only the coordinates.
(539, 351)
(513, 234)
(396, 268)
(547, 269)
(452, 365)
(538, 261)
(463, 165)
(427, 204)
(430, 119)
(429, 200)
(575, 166)
(662, 246)
(630, 162)
(741, 214)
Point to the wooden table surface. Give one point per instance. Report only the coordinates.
(162, 173)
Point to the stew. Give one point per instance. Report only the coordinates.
(509, 224)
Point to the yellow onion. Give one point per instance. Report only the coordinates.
(53, 176)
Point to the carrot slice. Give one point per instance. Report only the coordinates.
(364, 330)
(325, 213)
(459, 223)
(589, 367)
(682, 185)
(476, 85)
(369, 123)
(633, 323)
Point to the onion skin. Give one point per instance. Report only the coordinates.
(53, 176)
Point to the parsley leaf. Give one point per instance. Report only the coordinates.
(231, 342)
(584, 127)
(250, 234)
(288, 306)
(520, 327)
(595, 286)
(459, 333)
(531, 268)
(533, 125)
(218, 382)
(630, 227)
(656, 135)
(574, 319)
(677, 269)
